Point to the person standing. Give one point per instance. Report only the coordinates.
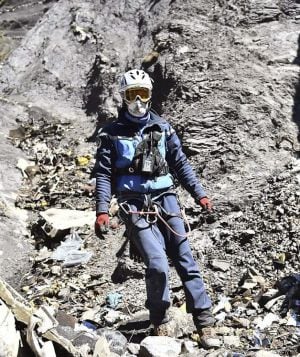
(137, 159)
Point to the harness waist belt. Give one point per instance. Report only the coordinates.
(152, 194)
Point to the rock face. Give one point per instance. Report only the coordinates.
(226, 74)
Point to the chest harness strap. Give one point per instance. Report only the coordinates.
(147, 160)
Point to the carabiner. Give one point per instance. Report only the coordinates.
(122, 204)
(150, 214)
(152, 220)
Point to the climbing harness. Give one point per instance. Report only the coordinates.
(152, 213)
(147, 160)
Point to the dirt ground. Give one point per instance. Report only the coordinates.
(226, 75)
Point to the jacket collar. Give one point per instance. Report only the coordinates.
(154, 119)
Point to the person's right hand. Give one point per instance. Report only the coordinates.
(101, 224)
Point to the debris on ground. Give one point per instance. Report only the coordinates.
(77, 272)
(70, 253)
(228, 81)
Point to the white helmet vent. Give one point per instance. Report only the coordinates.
(135, 78)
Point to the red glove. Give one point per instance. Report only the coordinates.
(205, 203)
(101, 224)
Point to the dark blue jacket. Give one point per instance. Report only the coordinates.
(117, 135)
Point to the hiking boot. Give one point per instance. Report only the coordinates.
(203, 318)
(158, 317)
(208, 338)
(159, 320)
(204, 321)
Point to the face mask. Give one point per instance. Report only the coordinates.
(138, 108)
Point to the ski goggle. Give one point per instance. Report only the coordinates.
(131, 94)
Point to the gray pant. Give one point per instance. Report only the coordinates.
(157, 243)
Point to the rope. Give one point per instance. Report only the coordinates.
(171, 229)
(156, 213)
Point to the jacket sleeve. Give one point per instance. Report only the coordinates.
(104, 159)
(179, 164)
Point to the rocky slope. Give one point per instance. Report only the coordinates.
(226, 75)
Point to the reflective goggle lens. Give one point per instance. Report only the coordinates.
(132, 93)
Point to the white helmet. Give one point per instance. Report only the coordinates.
(136, 91)
(135, 78)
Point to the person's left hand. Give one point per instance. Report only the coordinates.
(205, 203)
